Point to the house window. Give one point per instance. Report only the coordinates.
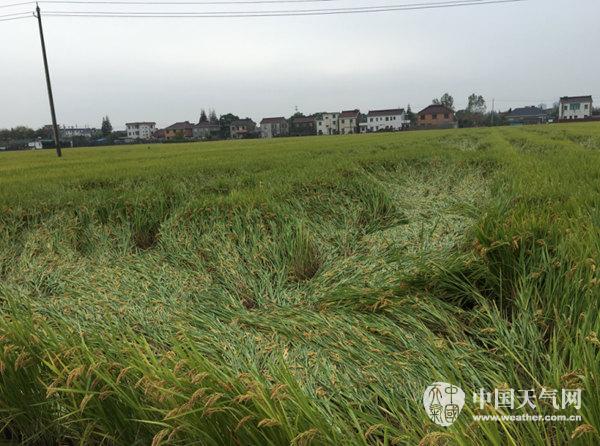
(575, 106)
(371, 120)
(446, 115)
(422, 117)
(434, 116)
(387, 118)
(587, 106)
(565, 108)
(343, 121)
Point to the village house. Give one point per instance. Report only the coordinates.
(180, 130)
(349, 122)
(328, 123)
(206, 130)
(527, 115)
(140, 130)
(158, 134)
(303, 126)
(436, 117)
(35, 145)
(242, 128)
(386, 120)
(575, 107)
(274, 127)
(73, 132)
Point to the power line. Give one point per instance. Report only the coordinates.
(350, 9)
(342, 9)
(16, 13)
(16, 4)
(28, 16)
(150, 2)
(276, 13)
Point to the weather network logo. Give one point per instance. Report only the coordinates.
(443, 403)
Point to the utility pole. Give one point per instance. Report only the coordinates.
(50, 97)
(493, 104)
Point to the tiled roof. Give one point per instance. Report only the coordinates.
(243, 122)
(185, 125)
(141, 123)
(273, 120)
(435, 108)
(349, 113)
(207, 125)
(389, 112)
(528, 111)
(568, 99)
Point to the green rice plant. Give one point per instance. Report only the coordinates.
(300, 290)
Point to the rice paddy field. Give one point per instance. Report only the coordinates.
(300, 291)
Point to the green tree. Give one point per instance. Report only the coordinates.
(476, 104)
(410, 115)
(225, 124)
(20, 132)
(446, 100)
(212, 116)
(203, 117)
(106, 126)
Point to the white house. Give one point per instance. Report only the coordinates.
(349, 121)
(140, 130)
(72, 132)
(575, 107)
(35, 145)
(328, 124)
(273, 127)
(387, 120)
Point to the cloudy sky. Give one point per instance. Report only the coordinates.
(166, 70)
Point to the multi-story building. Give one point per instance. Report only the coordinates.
(140, 130)
(436, 117)
(242, 128)
(303, 126)
(348, 122)
(274, 127)
(328, 123)
(575, 107)
(180, 130)
(386, 120)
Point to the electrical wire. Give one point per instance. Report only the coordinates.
(150, 2)
(280, 13)
(16, 4)
(28, 16)
(16, 13)
(242, 14)
(343, 9)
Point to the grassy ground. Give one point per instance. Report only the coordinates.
(299, 291)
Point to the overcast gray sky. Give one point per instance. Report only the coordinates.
(166, 70)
